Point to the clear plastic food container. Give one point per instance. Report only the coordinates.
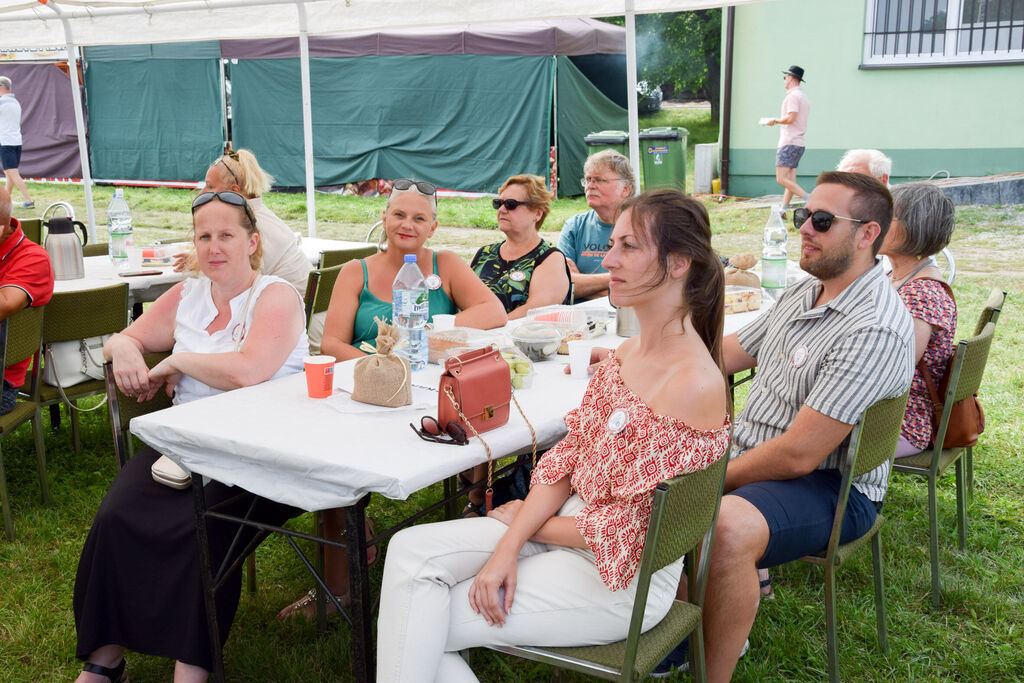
(441, 341)
(539, 341)
(741, 299)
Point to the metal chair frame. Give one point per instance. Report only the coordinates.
(965, 379)
(19, 339)
(989, 314)
(871, 444)
(696, 495)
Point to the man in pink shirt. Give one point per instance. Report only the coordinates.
(795, 109)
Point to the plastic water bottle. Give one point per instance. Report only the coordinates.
(119, 228)
(410, 308)
(773, 252)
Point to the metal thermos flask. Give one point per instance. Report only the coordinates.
(64, 248)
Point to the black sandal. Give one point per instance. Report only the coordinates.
(119, 674)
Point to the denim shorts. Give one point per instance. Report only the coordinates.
(10, 397)
(800, 513)
(10, 156)
(788, 156)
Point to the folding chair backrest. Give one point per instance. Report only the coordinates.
(86, 313)
(33, 229)
(123, 408)
(23, 332)
(337, 257)
(969, 365)
(990, 313)
(688, 506)
(96, 249)
(321, 298)
(877, 434)
(307, 305)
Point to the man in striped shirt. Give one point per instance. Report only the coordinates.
(833, 345)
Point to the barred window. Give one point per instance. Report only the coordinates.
(943, 31)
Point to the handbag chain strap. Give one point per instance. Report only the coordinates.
(489, 493)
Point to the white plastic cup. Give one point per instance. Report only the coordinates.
(443, 321)
(134, 258)
(579, 358)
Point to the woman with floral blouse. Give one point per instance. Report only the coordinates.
(560, 568)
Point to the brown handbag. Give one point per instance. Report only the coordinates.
(966, 418)
(475, 392)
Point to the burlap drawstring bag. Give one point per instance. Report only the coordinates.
(383, 378)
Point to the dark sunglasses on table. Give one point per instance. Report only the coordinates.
(421, 186)
(820, 220)
(430, 430)
(232, 198)
(509, 204)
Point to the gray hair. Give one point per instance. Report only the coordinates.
(6, 83)
(878, 163)
(618, 164)
(926, 214)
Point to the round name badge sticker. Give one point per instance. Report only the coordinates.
(433, 281)
(618, 420)
(800, 356)
(517, 276)
(238, 332)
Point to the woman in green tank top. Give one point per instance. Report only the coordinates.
(363, 290)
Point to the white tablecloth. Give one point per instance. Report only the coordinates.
(100, 272)
(273, 440)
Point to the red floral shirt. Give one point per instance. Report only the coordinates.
(615, 472)
(928, 300)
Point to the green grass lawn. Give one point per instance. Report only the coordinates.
(976, 635)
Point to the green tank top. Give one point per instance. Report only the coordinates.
(364, 329)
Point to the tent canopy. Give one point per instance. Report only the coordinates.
(111, 22)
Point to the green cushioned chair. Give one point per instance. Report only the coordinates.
(19, 339)
(682, 520)
(965, 379)
(33, 229)
(71, 316)
(122, 408)
(871, 444)
(989, 314)
(337, 257)
(319, 290)
(96, 249)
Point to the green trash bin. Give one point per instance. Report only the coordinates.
(608, 139)
(663, 151)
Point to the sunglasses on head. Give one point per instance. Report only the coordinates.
(421, 186)
(820, 220)
(232, 198)
(231, 155)
(509, 204)
(430, 430)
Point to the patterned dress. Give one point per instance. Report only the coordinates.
(615, 472)
(928, 300)
(510, 280)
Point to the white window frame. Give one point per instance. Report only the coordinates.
(951, 54)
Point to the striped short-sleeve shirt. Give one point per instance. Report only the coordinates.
(837, 358)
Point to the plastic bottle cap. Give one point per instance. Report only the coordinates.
(410, 258)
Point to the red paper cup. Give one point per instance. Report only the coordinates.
(320, 375)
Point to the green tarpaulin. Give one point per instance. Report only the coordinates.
(460, 121)
(153, 118)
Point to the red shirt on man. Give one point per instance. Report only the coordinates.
(25, 265)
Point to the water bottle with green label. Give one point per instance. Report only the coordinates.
(773, 252)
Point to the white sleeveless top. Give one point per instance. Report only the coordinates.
(196, 311)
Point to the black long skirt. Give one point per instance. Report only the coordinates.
(139, 584)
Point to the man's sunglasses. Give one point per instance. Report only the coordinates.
(820, 220)
(509, 204)
(421, 186)
(430, 430)
(232, 198)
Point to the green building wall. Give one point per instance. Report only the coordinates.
(967, 120)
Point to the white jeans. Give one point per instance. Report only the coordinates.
(560, 600)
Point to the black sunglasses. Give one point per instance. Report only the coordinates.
(421, 186)
(430, 430)
(820, 220)
(231, 155)
(232, 198)
(509, 204)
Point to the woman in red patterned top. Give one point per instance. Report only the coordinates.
(922, 225)
(559, 569)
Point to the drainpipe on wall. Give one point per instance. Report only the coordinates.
(730, 22)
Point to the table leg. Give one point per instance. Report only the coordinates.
(206, 571)
(363, 662)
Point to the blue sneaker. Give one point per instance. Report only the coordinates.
(679, 660)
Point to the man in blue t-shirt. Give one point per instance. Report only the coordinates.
(608, 180)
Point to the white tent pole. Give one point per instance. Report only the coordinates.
(223, 102)
(634, 126)
(307, 122)
(76, 96)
